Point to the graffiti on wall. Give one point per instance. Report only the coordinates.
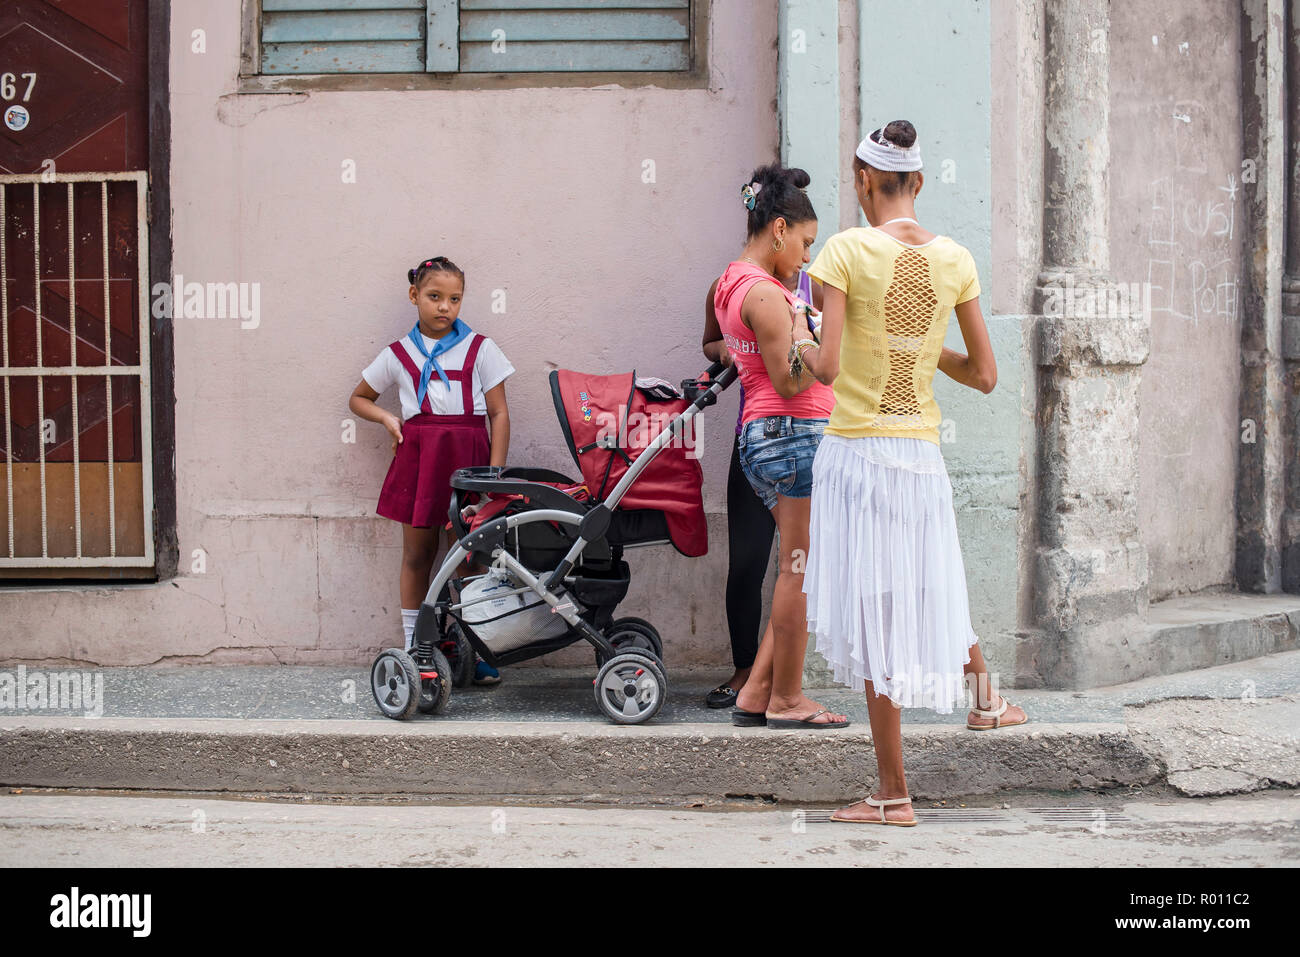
(1194, 261)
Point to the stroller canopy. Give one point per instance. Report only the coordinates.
(608, 421)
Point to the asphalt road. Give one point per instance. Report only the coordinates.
(1078, 830)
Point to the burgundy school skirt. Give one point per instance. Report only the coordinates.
(417, 490)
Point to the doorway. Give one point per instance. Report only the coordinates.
(79, 178)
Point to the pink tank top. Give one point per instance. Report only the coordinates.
(761, 397)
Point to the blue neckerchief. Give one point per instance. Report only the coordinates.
(448, 342)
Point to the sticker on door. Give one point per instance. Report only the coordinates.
(17, 118)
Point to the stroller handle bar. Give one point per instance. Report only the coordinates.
(701, 392)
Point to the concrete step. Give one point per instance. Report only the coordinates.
(537, 738)
(1210, 629)
(1187, 633)
(476, 760)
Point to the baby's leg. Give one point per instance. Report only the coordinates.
(466, 568)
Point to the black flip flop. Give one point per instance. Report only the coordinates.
(808, 722)
(748, 719)
(720, 697)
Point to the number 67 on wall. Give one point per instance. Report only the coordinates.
(9, 87)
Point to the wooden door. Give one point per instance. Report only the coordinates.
(79, 69)
(74, 472)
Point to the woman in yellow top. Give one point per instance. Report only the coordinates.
(885, 581)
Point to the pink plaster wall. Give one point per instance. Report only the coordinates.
(537, 192)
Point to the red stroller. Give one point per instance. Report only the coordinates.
(554, 548)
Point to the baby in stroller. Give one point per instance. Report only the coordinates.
(554, 548)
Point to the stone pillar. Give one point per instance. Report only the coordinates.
(1090, 577)
(1262, 464)
(1291, 311)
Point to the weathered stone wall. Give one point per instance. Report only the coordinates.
(1176, 200)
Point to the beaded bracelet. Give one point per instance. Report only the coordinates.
(795, 357)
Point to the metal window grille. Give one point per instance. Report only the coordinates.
(116, 536)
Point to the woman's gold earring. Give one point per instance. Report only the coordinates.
(780, 248)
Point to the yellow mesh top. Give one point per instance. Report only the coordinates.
(899, 300)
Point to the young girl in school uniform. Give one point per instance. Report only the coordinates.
(451, 383)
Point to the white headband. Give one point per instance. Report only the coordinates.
(889, 158)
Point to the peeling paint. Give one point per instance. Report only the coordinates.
(240, 109)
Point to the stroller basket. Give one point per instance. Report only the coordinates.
(597, 590)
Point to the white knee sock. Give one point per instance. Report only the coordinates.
(408, 625)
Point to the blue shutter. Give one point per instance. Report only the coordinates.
(344, 36)
(443, 54)
(474, 36)
(524, 36)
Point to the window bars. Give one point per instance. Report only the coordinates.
(108, 539)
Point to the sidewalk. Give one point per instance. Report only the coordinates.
(537, 737)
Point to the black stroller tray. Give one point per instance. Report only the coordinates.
(493, 480)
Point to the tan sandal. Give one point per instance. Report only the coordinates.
(881, 803)
(997, 718)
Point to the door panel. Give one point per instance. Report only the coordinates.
(88, 101)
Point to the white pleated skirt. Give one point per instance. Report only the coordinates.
(885, 580)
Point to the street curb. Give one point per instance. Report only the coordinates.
(559, 761)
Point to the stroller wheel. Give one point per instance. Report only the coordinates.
(630, 688)
(623, 647)
(460, 655)
(436, 692)
(395, 683)
(636, 634)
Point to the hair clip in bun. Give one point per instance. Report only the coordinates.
(749, 192)
(436, 264)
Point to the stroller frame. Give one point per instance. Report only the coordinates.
(631, 684)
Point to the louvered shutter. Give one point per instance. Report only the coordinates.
(529, 36)
(474, 36)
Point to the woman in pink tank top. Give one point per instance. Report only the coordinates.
(785, 413)
(750, 526)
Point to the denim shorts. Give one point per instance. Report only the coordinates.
(776, 455)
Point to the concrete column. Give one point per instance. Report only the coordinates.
(1076, 231)
(1290, 543)
(1263, 462)
(808, 101)
(1090, 571)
